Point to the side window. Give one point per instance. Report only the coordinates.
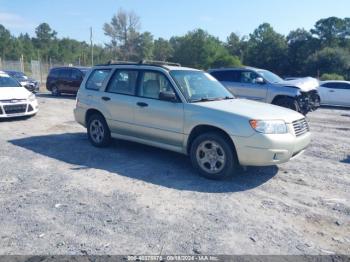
(337, 85)
(54, 73)
(248, 77)
(64, 73)
(152, 84)
(227, 75)
(123, 82)
(97, 79)
(341, 86)
(76, 74)
(327, 85)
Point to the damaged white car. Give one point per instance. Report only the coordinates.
(15, 100)
(261, 85)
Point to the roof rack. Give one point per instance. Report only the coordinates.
(142, 62)
(153, 62)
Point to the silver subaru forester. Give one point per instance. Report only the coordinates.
(187, 111)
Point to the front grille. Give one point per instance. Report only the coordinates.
(12, 100)
(15, 109)
(301, 127)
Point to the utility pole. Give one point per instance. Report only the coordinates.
(92, 48)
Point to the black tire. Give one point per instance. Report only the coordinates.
(101, 136)
(288, 102)
(226, 170)
(55, 91)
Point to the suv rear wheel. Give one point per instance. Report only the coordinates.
(98, 131)
(212, 156)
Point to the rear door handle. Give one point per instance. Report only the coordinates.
(142, 104)
(331, 91)
(105, 98)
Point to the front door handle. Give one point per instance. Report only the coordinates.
(331, 91)
(142, 104)
(105, 98)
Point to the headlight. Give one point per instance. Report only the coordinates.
(269, 126)
(32, 98)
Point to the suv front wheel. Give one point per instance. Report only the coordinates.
(212, 156)
(55, 91)
(98, 131)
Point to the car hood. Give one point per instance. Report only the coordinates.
(7, 93)
(305, 84)
(252, 110)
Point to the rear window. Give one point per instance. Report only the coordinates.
(97, 79)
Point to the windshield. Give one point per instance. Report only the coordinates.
(6, 81)
(199, 86)
(270, 77)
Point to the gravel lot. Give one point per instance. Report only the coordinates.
(60, 195)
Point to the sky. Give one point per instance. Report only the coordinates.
(166, 18)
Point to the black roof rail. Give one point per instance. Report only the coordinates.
(154, 62)
(142, 62)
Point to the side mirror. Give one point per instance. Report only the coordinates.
(260, 81)
(168, 96)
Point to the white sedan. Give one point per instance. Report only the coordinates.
(15, 100)
(335, 93)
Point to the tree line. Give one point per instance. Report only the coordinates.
(322, 51)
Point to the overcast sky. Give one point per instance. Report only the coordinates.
(165, 18)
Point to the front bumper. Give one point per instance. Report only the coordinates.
(18, 109)
(309, 101)
(32, 87)
(269, 149)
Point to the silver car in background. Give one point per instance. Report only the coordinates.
(187, 111)
(262, 85)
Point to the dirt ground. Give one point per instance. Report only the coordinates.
(60, 195)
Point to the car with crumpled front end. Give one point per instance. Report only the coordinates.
(15, 100)
(187, 111)
(29, 83)
(261, 85)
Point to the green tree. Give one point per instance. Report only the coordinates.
(162, 50)
(301, 45)
(145, 46)
(267, 49)
(27, 47)
(329, 60)
(236, 45)
(331, 76)
(45, 37)
(199, 49)
(5, 40)
(331, 30)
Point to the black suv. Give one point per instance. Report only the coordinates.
(65, 79)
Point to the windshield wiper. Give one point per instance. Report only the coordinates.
(207, 99)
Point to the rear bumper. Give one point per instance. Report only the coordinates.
(79, 115)
(266, 150)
